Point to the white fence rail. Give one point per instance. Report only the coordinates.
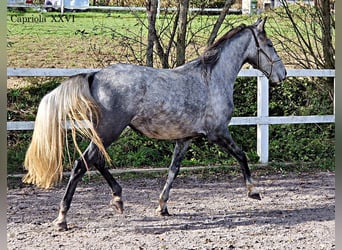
(262, 120)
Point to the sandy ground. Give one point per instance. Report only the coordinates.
(297, 211)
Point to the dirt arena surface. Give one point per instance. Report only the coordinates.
(297, 211)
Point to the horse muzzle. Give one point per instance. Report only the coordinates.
(278, 76)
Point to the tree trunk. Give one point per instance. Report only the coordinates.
(181, 36)
(328, 49)
(152, 37)
(151, 9)
(219, 21)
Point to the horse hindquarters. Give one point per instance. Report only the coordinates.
(71, 101)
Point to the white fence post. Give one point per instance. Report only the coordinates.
(262, 127)
(334, 95)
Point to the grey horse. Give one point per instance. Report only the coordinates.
(179, 104)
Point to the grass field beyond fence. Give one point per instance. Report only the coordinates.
(88, 40)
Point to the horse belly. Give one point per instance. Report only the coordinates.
(165, 127)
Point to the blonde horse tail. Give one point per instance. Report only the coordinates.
(69, 105)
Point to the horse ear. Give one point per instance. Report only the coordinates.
(260, 24)
(258, 21)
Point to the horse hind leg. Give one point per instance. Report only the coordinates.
(225, 141)
(116, 200)
(178, 155)
(77, 173)
(109, 135)
(92, 156)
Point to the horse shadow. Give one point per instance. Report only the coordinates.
(199, 221)
(278, 215)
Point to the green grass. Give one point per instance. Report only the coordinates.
(89, 42)
(92, 39)
(53, 26)
(95, 39)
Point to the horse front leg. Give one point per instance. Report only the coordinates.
(225, 141)
(178, 155)
(77, 173)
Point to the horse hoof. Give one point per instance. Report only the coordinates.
(117, 204)
(163, 212)
(255, 196)
(61, 226)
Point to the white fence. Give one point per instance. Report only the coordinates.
(262, 120)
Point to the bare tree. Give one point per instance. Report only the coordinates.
(151, 9)
(168, 39)
(153, 37)
(326, 20)
(219, 21)
(178, 32)
(314, 28)
(181, 35)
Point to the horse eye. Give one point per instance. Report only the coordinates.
(270, 44)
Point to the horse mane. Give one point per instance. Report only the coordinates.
(212, 53)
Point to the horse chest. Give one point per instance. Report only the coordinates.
(220, 100)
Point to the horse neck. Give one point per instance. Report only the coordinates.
(233, 56)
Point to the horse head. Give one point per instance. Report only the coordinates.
(263, 55)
